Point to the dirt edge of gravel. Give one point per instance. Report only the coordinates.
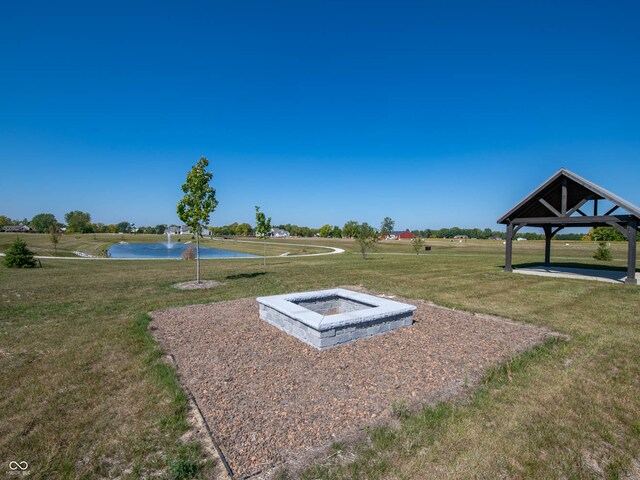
(193, 285)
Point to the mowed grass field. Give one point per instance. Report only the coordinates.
(86, 394)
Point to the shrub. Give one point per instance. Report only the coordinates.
(603, 252)
(19, 256)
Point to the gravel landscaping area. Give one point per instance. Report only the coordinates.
(270, 398)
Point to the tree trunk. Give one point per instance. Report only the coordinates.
(197, 258)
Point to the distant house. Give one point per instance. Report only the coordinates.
(521, 239)
(461, 237)
(16, 229)
(278, 232)
(178, 230)
(495, 237)
(397, 235)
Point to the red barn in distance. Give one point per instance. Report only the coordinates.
(397, 235)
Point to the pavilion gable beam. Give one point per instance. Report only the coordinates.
(595, 207)
(564, 196)
(577, 207)
(581, 212)
(611, 211)
(550, 207)
(572, 220)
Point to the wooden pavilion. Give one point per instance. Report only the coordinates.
(561, 202)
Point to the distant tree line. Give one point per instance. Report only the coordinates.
(77, 221)
(455, 231)
(298, 231)
(235, 229)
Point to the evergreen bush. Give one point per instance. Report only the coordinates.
(19, 256)
(603, 252)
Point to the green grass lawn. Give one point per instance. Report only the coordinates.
(85, 393)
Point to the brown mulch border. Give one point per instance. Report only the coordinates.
(270, 398)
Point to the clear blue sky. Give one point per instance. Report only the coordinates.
(434, 113)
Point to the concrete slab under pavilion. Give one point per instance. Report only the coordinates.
(610, 276)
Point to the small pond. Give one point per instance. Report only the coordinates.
(164, 250)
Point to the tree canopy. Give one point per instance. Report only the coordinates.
(263, 229)
(42, 222)
(325, 231)
(605, 234)
(78, 222)
(199, 199)
(386, 226)
(4, 221)
(366, 237)
(263, 224)
(349, 229)
(123, 227)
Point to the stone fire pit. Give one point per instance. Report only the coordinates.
(329, 318)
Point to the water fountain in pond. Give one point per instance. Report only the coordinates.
(169, 244)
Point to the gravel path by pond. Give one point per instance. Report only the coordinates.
(270, 398)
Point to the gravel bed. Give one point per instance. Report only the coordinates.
(270, 398)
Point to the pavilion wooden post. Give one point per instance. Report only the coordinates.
(509, 249)
(547, 245)
(632, 231)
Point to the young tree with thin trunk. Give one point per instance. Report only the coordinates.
(54, 236)
(198, 203)
(416, 244)
(263, 227)
(366, 237)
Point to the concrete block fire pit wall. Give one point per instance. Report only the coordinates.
(329, 318)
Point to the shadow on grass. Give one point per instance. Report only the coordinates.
(239, 276)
